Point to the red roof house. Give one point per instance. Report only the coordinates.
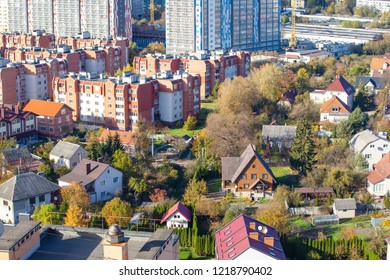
(178, 216)
(245, 238)
(378, 180)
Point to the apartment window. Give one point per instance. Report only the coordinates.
(32, 201)
(243, 176)
(102, 183)
(88, 87)
(246, 186)
(384, 145)
(41, 198)
(63, 111)
(378, 187)
(372, 146)
(264, 176)
(51, 129)
(115, 180)
(253, 176)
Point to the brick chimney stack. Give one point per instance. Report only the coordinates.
(88, 167)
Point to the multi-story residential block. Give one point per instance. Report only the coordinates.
(103, 18)
(54, 119)
(4, 17)
(381, 5)
(19, 124)
(211, 68)
(37, 82)
(222, 24)
(38, 38)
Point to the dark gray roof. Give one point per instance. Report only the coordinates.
(26, 185)
(15, 154)
(345, 204)
(64, 149)
(233, 167)
(15, 234)
(154, 244)
(79, 173)
(279, 131)
(378, 82)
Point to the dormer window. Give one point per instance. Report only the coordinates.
(335, 109)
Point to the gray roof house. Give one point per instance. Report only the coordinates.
(344, 208)
(373, 146)
(67, 154)
(280, 135)
(19, 160)
(22, 193)
(372, 84)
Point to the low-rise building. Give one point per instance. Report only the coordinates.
(344, 208)
(19, 160)
(371, 84)
(163, 245)
(378, 180)
(281, 136)
(373, 146)
(54, 118)
(67, 154)
(178, 216)
(245, 238)
(380, 66)
(102, 181)
(381, 5)
(248, 175)
(334, 111)
(128, 139)
(22, 193)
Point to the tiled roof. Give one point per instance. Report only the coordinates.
(381, 170)
(64, 149)
(79, 173)
(377, 62)
(26, 185)
(279, 131)
(178, 207)
(345, 204)
(360, 140)
(237, 237)
(334, 102)
(341, 85)
(378, 82)
(127, 138)
(45, 108)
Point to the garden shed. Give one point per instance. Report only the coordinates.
(325, 220)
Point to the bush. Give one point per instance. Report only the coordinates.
(190, 123)
(325, 210)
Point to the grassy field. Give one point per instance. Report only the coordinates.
(285, 175)
(181, 132)
(189, 254)
(214, 185)
(298, 223)
(212, 106)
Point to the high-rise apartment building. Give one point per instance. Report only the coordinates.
(102, 18)
(4, 17)
(204, 25)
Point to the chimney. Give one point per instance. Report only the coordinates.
(269, 241)
(16, 109)
(254, 235)
(252, 225)
(2, 110)
(88, 167)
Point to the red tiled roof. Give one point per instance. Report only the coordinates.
(178, 207)
(127, 138)
(381, 170)
(45, 108)
(234, 239)
(340, 84)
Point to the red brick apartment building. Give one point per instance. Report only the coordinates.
(54, 119)
(210, 68)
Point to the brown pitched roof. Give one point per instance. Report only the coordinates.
(377, 62)
(332, 103)
(381, 170)
(45, 108)
(79, 173)
(341, 84)
(127, 138)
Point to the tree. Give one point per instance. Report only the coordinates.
(275, 216)
(302, 80)
(47, 214)
(214, 93)
(117, 143)
(137, 185)
(302, 153)
(386, 200)
(158, 195)
(44, 150)
(194, 191)
(75, 195)
(133, 52)
(285, 19)
(7, 143)
(122, 162)
(154, 47)
(190, 123)
(74, 216)
(45, 168)
(117, 211)
(340, 180)
(72, 139)
(62, 170)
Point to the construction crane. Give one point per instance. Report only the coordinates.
(293, 39)
(151, 8)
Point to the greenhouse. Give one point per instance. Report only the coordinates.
(325, 220)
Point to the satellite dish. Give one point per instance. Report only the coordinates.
(55, 198)
(260, 228)
(265, 230)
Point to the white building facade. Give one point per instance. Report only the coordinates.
(382, 6)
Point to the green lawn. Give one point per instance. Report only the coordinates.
(212, 106)
(299, 222)
(181, 132)
(214, 185)
(285, 175)
(281, 171)
(189, 254)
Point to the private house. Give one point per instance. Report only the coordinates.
(378, 180)
(247, 175)
(19, 124)
(19, 160)
(102, 181)
(281, 136)
(373, 146)
(67, 154)
(22, 193)
(340, 88)
(162, 245)
(344, 208)
(380, 65)
(334, 111)
(128, 139)
(245, 238)
(288, 99)
(19, 242)
(371, 84)
(178, 216)
(54, 119)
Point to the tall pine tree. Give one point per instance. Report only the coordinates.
(302, 153)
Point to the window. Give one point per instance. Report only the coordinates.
(264, 176)
(74, 164)
(384, 145)
(253, 176)
(254, 166)
(5, 203)
(246, 186)
(63, 111)
(367, 156)
(32, 201)
(102, 183)
(378, 187)
(372, 146)
(115, 180)
(41, 198)
(243, 176)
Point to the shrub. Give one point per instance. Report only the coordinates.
(190, 123)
